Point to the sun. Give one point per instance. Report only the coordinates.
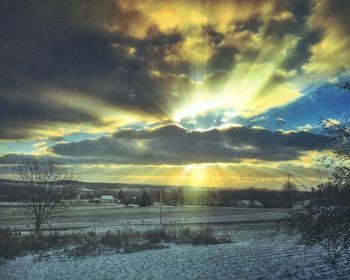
(246, 90)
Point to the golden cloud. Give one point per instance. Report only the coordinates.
(331, 56)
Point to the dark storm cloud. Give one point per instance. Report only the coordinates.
(216, 38)
(294, 23)
(41, 37)
(64, 44)
(42, 42)
(172, 144)
(89, 46)
(223, 59)
(302, 53)
(14, 132)
(252, 25)
(24, 110)
(338, 10)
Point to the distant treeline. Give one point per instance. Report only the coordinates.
(177, 196)
(210, 197)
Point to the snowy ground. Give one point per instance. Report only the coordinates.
(257, 252)
(109, 216)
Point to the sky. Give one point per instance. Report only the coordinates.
(186, 93)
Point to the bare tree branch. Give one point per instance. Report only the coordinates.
(44, 183)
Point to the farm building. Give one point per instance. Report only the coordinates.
(106, 199)
(249, 204)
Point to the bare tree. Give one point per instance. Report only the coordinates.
(44, 184)
(290, 193)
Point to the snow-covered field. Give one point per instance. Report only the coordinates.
(100, 216)
(257, 252)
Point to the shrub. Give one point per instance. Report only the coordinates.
(112, 239)
(9, 243)
(130, 240)
(13, 244)
(205, 235)
(172, 232)
(88, 244)
(185, 235)
(34, 243)
(156, 236)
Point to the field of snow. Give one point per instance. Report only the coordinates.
(257, 252)
(109, 216)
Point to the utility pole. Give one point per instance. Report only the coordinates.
(160, 206)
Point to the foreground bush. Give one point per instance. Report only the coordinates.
(13, 244)
(204, 236)
(9, 243)
(322, 222)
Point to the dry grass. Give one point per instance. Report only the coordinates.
(13, 244)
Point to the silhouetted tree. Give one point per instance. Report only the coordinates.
(121, 194)
(145, 199)
(290, 193)
(325, 218)
(181, 196)
(45, 184)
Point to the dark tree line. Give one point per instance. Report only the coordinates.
(181, 196)
(207, 197)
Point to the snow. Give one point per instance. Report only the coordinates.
(257, 252)
(104, 216)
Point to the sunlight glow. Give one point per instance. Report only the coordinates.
(245, 88)
(214, 175)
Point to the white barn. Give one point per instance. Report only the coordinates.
(249, 204)
(106, 199)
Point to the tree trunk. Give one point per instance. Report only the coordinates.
(37, 227)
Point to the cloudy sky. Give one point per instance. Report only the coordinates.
(192, 93)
